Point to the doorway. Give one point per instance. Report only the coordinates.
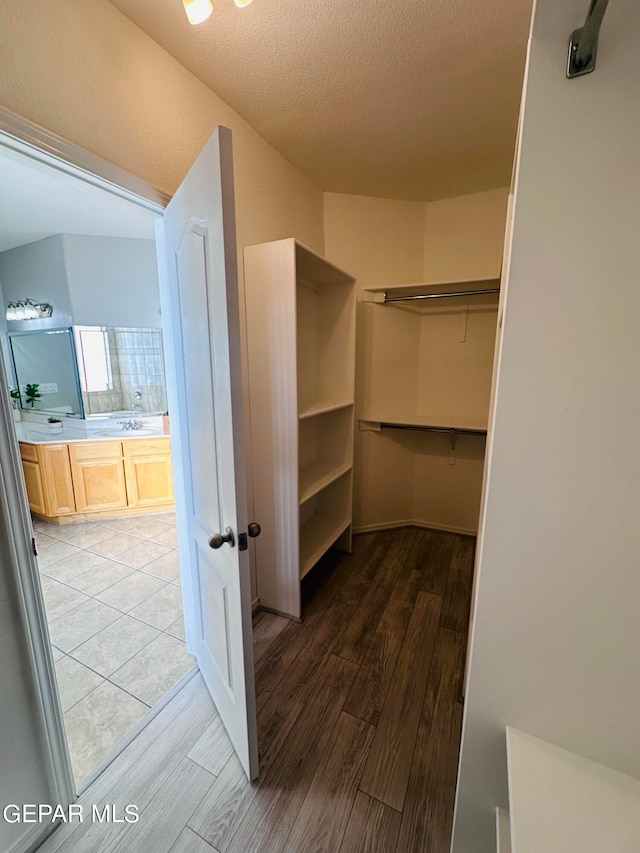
(93, 437)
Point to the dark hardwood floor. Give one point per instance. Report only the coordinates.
(359, 721)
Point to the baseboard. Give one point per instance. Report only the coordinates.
(426, 525)
(280, 613)
(255, 604)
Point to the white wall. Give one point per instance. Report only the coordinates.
(557, 635)
(112, 281)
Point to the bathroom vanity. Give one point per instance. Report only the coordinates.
(84, 478)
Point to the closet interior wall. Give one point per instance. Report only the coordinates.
(406, 476)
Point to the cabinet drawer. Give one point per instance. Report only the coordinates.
(85, 451)
(146, 447)
(29, 452)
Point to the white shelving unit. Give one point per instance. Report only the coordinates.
(301, 353)
(432, 350)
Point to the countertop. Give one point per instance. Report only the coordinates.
(32, 433)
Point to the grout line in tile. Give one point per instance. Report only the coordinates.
(108, 677)
(95, 595)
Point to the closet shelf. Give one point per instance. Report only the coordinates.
(427, 291)
(457, 424)
(322, 408)
(317, 535)
(316, 477)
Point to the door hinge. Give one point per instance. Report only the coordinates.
(33, 545)
(243, 542)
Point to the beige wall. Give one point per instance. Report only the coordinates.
(464, 236)
(404, 476)
(377, 241)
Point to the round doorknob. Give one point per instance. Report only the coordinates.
(219, 539)
(254, 529)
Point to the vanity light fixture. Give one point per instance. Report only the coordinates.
(198, 11)
(28, 309)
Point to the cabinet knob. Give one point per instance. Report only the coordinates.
(254, 529)
(219, 539)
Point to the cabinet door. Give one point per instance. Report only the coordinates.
(97, 470)
(148, 472)
(33, 482)
(55, 468)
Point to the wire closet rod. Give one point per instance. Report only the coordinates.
(445, 430)
(416, 296)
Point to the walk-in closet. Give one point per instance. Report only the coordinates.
(369, 389)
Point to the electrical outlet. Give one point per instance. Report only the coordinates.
(48, 388)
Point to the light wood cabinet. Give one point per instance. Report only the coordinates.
(147, 465)
(97, 477)
(33, 478)
(301, 345)
(97, 469)
(56, 479)
(47, 476)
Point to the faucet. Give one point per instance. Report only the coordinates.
(138, 403)
(130, 425)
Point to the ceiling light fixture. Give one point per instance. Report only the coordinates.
(198, 11)
(28, 309)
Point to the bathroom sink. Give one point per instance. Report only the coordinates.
(123, 433)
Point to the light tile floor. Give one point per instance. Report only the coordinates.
(114, 608)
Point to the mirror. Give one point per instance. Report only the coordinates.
(121, 370)
(46, 359)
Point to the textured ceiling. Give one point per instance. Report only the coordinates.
(413, 99)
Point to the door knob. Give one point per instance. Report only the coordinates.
(254, 529)
(218, 539)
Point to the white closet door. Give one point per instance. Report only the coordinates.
(198, 266)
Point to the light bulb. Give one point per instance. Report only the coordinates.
(197, 10)
(242, 3)
(30, 310)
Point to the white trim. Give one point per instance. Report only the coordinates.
(20, 564)
(413, 522)
(24, 136)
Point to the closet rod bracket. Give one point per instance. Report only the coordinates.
(583, 44)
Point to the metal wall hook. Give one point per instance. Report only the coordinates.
(583, 45)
